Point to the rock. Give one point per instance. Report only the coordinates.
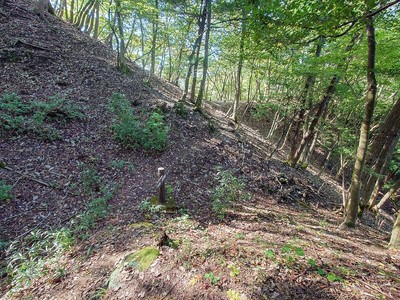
(140, 260)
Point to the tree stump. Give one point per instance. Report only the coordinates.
(161, 186)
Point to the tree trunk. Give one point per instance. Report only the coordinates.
(97, 21)
(205, 61)
(395, 237)
(352, 207)
(120, 38)
(239, 74)
(192, 56)
(379, 185)
(154, 41)
(388, 195)
(322, 106)
(299, 119)
(382, 149)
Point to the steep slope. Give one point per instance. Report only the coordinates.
(39, 61)
(282, 243)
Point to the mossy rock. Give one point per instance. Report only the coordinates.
(140, 260)
(146, 225)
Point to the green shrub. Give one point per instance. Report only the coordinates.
(131, 132)
(5, 191)
(228, 191)
(36, 117)
(213, 279)
(155, 133)
(181, 109)
(96, 210)
(13, 112)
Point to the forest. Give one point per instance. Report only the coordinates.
(326, 71)
(277, 122)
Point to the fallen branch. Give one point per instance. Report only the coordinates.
(30, 177)
(17, 42)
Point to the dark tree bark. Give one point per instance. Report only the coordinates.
(200, 96)
(381, 152)
(322, 106)
(299, 119)
(154, 41)
(192, 56)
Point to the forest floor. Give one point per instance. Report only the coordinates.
(279, 240)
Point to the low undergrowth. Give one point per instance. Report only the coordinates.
(228, 191)
(134, 133)
(40, 253)
(36, 117)
(5, 191)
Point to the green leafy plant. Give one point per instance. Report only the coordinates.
(269, 253)
(155, 133)
(130, 131)
(147, 207)
(90, 179)
(213, 279)
(234, 271)
(36, 117)
(181, 109)
(228, 191)
(5, 191)
(332, 277)
(122, 164)
(39, 255)
(96, 210)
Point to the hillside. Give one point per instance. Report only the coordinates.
(280, 240)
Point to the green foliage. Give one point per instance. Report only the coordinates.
(155, 133)
(39, 255)
(130, 131)
(147, 207)
(36, 117)
(269, 253)
(213, 279)
(90, 179)
(122, 164)
(332, 277)
(312, 262)
(5, 191)
(96, 210)
(228, 191)
(234, 271)
(264, 110)
(181, 109)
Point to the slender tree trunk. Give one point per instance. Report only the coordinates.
(382, 149)
(351, 210)
(299, 119)
(192, 57)
(379, 185)
(238, 93)
(142, 35)
(72, 12)
(154, 41)
(387, 196)
(97, 21)
(205, 61)
(121, 40)
(395, 237)
(323, 105)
